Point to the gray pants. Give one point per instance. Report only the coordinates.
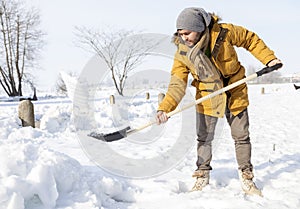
(240, 133)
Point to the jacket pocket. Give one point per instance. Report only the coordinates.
(214, 106)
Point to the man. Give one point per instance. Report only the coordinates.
(206, 50)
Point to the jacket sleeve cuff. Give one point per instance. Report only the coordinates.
(168, 104)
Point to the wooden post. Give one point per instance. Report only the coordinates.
(262, 90)
(34, 98)
(147, 95)
(112, 99)
(26, 113)
(161, 96)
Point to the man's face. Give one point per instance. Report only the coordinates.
(190, 38)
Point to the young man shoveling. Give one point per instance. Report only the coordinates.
(206, 51)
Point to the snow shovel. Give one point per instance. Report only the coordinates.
(127, 131)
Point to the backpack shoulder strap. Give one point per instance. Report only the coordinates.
(219, 40)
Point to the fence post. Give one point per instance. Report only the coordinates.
(34, 98)
(262, 90)
(26, 113)
(147, 95)
(112, 99)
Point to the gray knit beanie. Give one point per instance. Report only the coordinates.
(193, 19)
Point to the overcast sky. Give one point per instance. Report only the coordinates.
(276, 22)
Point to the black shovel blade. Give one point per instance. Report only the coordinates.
(111, 136)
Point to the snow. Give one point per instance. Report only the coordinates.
(55, 167)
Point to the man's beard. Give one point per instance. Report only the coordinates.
(195, 42)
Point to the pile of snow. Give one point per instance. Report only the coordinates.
(47, 168)
(33, 175)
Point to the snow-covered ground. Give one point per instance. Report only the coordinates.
(55, 167)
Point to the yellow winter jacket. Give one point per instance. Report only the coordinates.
(227, 63)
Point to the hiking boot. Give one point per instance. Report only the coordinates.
(248, 186)
(202, 179)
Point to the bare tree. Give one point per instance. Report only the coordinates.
(60, 85)
(121, 50)
(20, 44)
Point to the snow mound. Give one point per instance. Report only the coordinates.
(55, 119)
(33, 176)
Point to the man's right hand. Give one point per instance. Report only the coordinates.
(161, 117)
(274, 62)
